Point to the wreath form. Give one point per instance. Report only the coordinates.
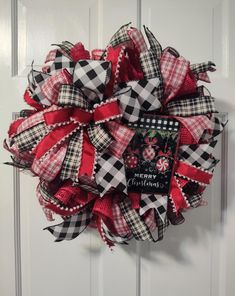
(121, 139)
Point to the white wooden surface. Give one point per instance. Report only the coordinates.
(192, 259)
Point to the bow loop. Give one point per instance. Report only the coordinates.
(93, 75)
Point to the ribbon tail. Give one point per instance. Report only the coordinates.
(177, 196)
(71, 227)
(88, 158)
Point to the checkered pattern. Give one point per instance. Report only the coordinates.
(71, 227)
(61, 62)
(202, 67)
(138, 39)
(36, 79)
(143, 90)
(120, 36)
(161, 226)
(154, 44)
(110, 173)
(31, 121)
(69, 95)
(49, 167)
(119, 222)
(174, 70)
(65, 47)
(92, 74)
(191, 107)
(153, 201)
(151, 69)
(99, 137)
(217, 127)
(196, 125)
(195, 200)
(134, 221)
(159, 123)
(72, 159)
(149, 64)
(51, 87)
(27, 139)
(198, 155)
(113, 237)
(129, 106)
(122, 136)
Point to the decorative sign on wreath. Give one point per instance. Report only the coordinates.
(121, 139)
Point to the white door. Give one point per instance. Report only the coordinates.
(195, 258)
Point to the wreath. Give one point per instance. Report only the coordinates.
(122, 139)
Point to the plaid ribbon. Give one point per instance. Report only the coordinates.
(119, 222)
(122, 136)
(196, 125)
(65, 47)
(140, 97)
(110, 172)
(71, 227)
(199, 155)
(120, 36)
(138, 39)
(174, 69)
(154, 44)
(99, 137)
(72, 158)
(114, 237)
(70, 95)
(27, 139)
(191, 107)
(151, 69)
(49, 168)
(138, 228)
(51, 87)
(200, 70)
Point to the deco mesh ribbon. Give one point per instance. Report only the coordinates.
(122, 139)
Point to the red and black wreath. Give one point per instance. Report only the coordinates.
(122, 139)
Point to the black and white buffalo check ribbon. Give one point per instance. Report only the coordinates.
(199, 105)
(140, 98)
(36, 79)
(199, 155)
(92, 75)
(153, 201)
(110, 172)
(138, 228)
(61, 62)
(217, 128)
(71, 227)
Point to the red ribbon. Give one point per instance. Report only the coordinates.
(184, 173)
(73, 119)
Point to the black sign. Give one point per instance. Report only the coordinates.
(150, 156)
